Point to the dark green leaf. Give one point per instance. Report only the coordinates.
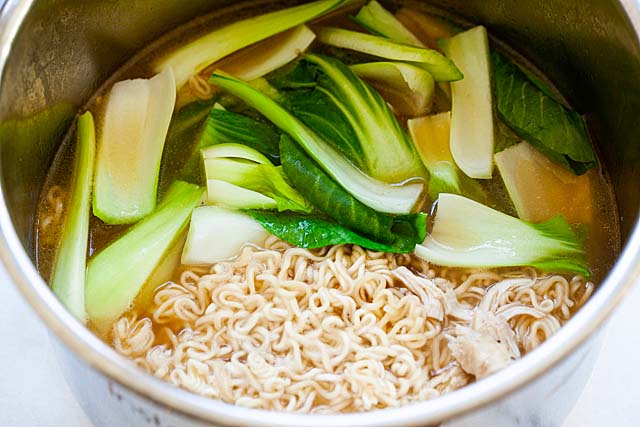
(330, 198)
(317, 111)
(225, 126)
(182, 139)
(551, 128)
(316, 232)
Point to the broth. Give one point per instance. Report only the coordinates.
(602, 234)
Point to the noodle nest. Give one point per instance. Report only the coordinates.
(340, 329)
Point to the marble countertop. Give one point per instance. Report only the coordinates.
(33, 392)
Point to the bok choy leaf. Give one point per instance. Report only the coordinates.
(431, 135)
(472, 130)
(224, 127)
(383, 197)
(117, 273)
(440, 67)
(468, 234)
(130, 145)
(376, 19)
(387, 152)
(68, 276)
(407, 88)
(216, 234)
(194, 57)
(246, 168)
(334, 201)
(315, 232)
(554, 130)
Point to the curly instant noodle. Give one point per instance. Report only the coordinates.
(340, 329)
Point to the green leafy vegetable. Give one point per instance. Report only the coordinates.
(194, 57)
(371, 192)
(334, 201)
(378, 20)
(130, 145)
(468, 234)
(409, 89)
(385, 152)
(117, 273)
(316, 232)
(431, 137)
(262, 58)
(244, 167)
(216, 234)
(180, 156)
(318, 112)
(440, 67)
(228, 127)
(472, 134)
(68, 277)
(551, 128)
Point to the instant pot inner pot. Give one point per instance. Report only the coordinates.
(65, 49)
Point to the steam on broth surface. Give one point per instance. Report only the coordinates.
(316, 301)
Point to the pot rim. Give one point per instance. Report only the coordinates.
(104, 359)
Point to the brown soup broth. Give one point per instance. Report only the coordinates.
(602, 239)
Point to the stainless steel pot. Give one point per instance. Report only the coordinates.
(55, 53)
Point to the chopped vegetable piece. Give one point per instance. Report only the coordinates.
(468, 234)
(378, 20)
(135, 125)
(387, 151)
(244, 167)
(440, 67)
(554, 130)
(116, 274)
(228, 127)
(373, 193)
(427, 28)
(472, 134)
(541, 189)
(216, 234)
(165, 271)
(431, 137)
(262, 58)
(409, 89)
(186, 126)
(68, 276)
(194, 57)
(315, 232)
(316, 110)
(235, 197)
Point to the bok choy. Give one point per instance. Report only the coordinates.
(431, 137)
(135, 125)
(381, 196)
(554, 130)
(472, 134)
(378, 20)
(243, 168)
(194, 57)
(386, 150)
(337, 203)
(216, 234)
(306, 231)
(262, 58)
(117, 273)
(468, 234)
(440, 67)
(407, 88)
(68, 276)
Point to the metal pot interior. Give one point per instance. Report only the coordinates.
(56, 53)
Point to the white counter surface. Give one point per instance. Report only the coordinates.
(34, 394)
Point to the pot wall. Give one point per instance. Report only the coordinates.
(64, 49)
